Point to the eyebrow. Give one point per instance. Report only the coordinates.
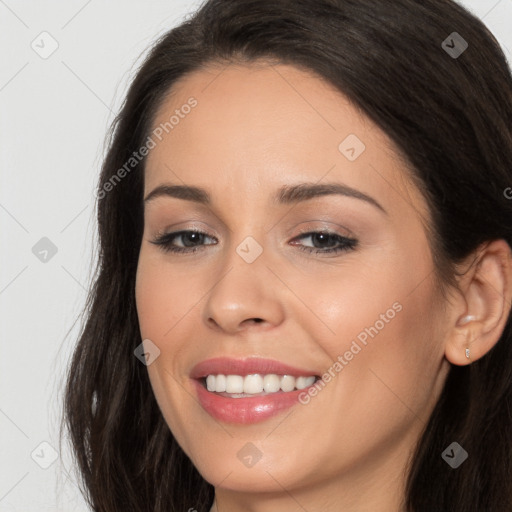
(287, 194)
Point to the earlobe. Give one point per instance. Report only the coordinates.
(481, 315)
(459, 349)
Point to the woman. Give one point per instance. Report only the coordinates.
(304, 285)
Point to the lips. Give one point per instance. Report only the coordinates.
(247, 409)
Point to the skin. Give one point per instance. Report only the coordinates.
(255, 128)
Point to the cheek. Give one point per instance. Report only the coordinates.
(382, 299)
(164, 305)
(163, 296)
(380, 372)
(159, 319)
(376, 328)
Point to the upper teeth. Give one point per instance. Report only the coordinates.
(256, 383)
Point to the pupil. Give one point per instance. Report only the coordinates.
(190, 236)
(323, 237)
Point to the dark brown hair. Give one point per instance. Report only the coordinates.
(451, 119)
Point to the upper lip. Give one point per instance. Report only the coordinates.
(251, 365)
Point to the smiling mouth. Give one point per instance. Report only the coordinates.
(252, 385)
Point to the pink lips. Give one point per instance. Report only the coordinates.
(248, 409)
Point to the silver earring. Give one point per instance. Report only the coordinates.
(467, 353)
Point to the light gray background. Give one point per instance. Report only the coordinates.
(54, 114)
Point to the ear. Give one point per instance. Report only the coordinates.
(480, 313)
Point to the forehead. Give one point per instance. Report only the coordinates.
(258, 107)
(259, 125)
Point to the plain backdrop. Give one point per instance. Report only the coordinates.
(54, 113)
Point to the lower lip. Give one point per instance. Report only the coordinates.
(245, 410)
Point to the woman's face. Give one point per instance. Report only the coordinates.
(367, 319)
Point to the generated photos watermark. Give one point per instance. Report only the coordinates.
(344, 359)
(156, 136)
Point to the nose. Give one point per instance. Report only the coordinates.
(245, 297)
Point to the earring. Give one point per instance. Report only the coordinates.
(467, 353)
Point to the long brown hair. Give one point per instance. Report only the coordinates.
(450, 116)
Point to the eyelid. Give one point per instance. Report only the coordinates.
(178, 227)
(332, 228)
(345, 232)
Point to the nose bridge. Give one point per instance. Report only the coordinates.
(244, 289)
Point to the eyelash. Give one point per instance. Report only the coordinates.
(165, 242)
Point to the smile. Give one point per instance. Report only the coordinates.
(249, 390)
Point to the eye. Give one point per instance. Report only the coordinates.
(189, 240)
(324, 242)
